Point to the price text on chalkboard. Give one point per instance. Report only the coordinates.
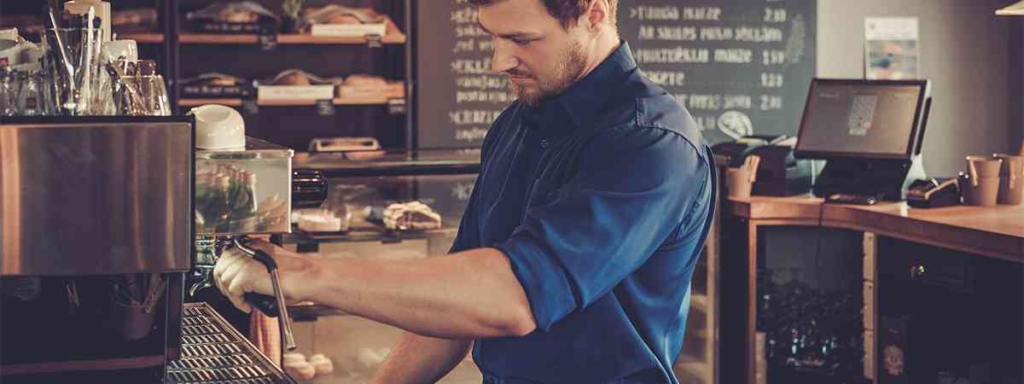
(739, 66)
(458, 96)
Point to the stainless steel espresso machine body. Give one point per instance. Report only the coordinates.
(101, 224)
(241, 193)
(96, 235)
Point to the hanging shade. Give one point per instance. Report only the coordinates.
(1016, 9)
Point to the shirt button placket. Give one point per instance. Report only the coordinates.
(544, 143)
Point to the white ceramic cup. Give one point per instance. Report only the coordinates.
(219, 128)
(118, 48)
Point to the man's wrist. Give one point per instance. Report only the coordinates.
(300, 277)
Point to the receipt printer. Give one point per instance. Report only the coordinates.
(779, 173)
(933, 193)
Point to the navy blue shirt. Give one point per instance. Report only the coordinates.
(601, 198)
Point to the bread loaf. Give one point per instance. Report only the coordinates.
(229, 15)
(362, 80)
(292, 78)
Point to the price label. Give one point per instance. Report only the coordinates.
(773, 57)
(250, 107)
(325, 107)
(374, 41)
(771, 80)
(775, 15)
(396, 106)
(268, 37)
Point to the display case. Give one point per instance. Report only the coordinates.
(244, 191)
(443, 180)
(698, 360)
(367, 182)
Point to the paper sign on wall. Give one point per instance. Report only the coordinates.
(891, 48)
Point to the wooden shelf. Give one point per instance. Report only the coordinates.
(699, 302)
(285, 103)
(693, 370)
(83, 365)
(392, 36)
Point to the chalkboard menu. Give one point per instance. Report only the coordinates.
(457, 96)
(740, 67)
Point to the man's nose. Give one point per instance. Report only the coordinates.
(503, 59)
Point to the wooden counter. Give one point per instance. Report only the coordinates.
(987, 231)
(996, 232)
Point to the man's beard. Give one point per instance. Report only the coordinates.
(567, 72)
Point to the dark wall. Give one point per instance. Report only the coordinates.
(964, 54)
(1016, 132)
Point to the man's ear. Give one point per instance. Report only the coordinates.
(597, 15)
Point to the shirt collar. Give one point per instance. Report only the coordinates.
(585, 99)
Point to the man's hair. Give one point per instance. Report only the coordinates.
(566, 11)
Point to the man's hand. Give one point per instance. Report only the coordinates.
(237, 273)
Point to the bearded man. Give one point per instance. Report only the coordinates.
(574, 257)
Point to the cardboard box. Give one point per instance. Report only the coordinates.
(393, 90)
(349, 30)
(295, 92)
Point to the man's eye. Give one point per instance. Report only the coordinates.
(522, 43)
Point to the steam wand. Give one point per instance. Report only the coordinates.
(270, 306)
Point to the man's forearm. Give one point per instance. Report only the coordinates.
(468, 295)
(420, 359)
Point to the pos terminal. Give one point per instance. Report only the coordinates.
(870, 132)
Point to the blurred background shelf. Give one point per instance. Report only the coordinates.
(394, 35)
(288, 103)
(699, 302)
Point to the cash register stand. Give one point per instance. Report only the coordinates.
(884, 179)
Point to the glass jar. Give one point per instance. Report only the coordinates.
(30, 96)
(8, 92)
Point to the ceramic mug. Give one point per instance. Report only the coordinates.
(739, 182)
(1011, 178)
(980, 192)
(983, 167)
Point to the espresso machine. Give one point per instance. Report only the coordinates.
(240, 193)
(104, 233)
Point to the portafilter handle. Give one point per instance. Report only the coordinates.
(271, 306)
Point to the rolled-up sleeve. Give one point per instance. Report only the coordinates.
(631, 191)
(468, 236)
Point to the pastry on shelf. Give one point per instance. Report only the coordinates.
(411, 216)
(369, 86)
(340, 21)
(322, 364)
(322, 220)
(237, 16)
(299, 77)
(243, 17)
(344, 19)
(296, 84)
(343, 144)
(337, 14)
(353, 148)
(296, 365)
(29, 25)
(362, 80)
(134, 19)
(293, 77)
(215, 85)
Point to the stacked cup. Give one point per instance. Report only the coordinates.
(1011, 178)
(980, 185)
(741, 180)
